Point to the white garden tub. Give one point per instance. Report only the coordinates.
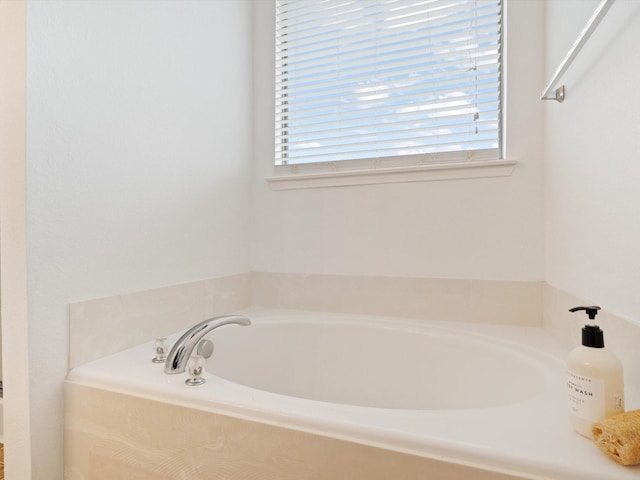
(487, 397)
(367, 362)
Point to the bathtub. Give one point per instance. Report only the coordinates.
(335, 396)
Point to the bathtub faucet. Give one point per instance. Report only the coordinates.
(181, 351)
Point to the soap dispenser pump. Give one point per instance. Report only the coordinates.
(595, 381)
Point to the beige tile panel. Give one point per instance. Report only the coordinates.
(498, 302)
(111, 435)
(108, 325)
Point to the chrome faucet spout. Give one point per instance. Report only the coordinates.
(181, 351)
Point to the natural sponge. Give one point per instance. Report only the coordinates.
(619, 437)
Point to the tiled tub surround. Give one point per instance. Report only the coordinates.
(454, 300)
(108, 325)
(112, 435)
(126, 418)
(114, 431)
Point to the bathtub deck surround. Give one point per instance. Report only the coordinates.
(455, 300)
(235, 426)
(108, 325)
(202, 445)
(486, 444)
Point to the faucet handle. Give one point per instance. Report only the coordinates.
(160, 349)
(195, 367)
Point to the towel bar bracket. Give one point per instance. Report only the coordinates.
(557, 95)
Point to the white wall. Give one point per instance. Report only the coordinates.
(138, 166)
(592, 167)
(470, 229)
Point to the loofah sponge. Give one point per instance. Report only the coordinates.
(619, 437)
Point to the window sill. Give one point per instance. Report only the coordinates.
(295, 177)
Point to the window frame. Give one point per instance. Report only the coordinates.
(408, 168)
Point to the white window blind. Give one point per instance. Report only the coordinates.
(381, 79)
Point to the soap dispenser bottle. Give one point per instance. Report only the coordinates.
(595, 382)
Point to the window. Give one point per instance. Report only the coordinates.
(383, 81)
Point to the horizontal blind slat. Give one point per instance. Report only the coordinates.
(373, 107)
(417, 134)
(385, 31)
(457, 54)
(356, 41)
(442, 118)
(464, 81)
(382, 151)
(412, 69)
(458, 76)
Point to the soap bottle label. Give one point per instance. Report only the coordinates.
(586, 396)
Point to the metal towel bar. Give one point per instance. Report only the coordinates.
(594, 21)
